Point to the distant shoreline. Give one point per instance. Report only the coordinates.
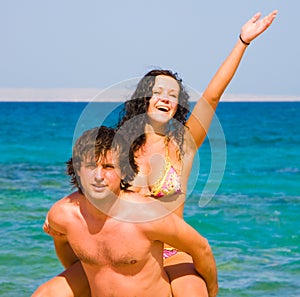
(114, 95)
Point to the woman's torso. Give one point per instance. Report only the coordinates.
(163, 170)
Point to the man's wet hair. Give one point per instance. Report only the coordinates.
(93, 145)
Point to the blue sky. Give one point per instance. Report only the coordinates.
(95, 44)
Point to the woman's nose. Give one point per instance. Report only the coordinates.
(164, 98)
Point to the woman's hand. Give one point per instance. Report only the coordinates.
(49, 230)
(255, 26)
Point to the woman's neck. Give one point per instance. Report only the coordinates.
(156, 131)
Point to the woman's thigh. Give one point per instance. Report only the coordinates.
(70, 283)
(184, 279)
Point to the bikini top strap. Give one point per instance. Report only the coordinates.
(167, 140)
(167, 157)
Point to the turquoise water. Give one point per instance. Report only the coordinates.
(252, 222)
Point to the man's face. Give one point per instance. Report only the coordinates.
(102, 179)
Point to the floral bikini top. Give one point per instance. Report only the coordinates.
(169, 181)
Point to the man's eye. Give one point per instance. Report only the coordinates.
(108, 166)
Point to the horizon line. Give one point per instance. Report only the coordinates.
(111, 95)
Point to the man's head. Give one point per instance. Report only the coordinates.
(98, 151)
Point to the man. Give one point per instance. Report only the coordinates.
(117, 236)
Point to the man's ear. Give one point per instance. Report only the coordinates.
(78, 177)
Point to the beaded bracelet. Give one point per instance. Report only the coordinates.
(244, 42)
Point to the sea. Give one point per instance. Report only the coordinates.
(250, 214)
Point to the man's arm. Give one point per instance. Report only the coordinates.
(177, 233)
(54, 226)
(64, 252)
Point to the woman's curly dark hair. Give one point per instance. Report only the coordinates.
(133, 117)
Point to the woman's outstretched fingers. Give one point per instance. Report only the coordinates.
(255, 26)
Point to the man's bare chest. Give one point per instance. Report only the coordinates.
(112, 245)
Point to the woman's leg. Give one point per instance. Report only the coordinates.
(70, 283)
(184, 279)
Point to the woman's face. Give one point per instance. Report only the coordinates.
(164, 101)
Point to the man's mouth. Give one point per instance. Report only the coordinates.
(99, 187)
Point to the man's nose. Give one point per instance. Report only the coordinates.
(99, 173)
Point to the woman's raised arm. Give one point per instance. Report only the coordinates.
(204, 109)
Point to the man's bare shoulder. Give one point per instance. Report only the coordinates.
(62, 212)
(138, 208)
(67, 202)
(134, 197)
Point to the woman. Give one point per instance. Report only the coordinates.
(158, 111)
(164, 131)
